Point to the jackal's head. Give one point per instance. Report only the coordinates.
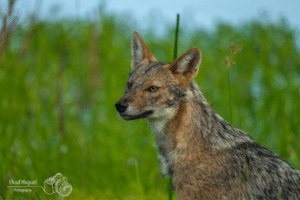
(155, 89)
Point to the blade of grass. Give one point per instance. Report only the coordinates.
(175, 57)
(248, 180)
(281, 184)
(176, 37)
(229, 94)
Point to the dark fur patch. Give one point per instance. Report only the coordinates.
(135, 69)
(154, 66)
(178, 92)
(155, 99)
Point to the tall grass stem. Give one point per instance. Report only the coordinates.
(281, 184)
(229, 96)
(248, 180)
(175, 57)
(176, 37)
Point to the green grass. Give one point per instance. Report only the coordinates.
(59, 82)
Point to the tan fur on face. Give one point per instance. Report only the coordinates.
(142, 100)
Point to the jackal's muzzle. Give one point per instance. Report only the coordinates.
(122, 107)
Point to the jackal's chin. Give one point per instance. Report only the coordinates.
(133, 117)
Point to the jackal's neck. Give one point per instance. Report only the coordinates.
(195, 124)
(208, 127)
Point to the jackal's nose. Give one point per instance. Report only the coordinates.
(121, 106)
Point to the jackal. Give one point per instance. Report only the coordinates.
(205, 156)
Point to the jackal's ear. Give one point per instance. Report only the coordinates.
(139, 50)
(188, 64)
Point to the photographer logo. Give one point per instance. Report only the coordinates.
(56, 184)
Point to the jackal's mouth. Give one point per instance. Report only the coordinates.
(133, 117)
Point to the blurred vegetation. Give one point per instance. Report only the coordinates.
(59, 82)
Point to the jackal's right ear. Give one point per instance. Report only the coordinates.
(139, 50)
(187, 65)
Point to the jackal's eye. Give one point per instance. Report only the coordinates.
(152, 89)
(129, 85)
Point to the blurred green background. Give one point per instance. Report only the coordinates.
(59, 81)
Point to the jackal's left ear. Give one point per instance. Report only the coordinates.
(188, 64)
(139, 50)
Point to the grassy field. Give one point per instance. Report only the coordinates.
(59, 82)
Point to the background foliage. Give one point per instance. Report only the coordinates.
(59, 82)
